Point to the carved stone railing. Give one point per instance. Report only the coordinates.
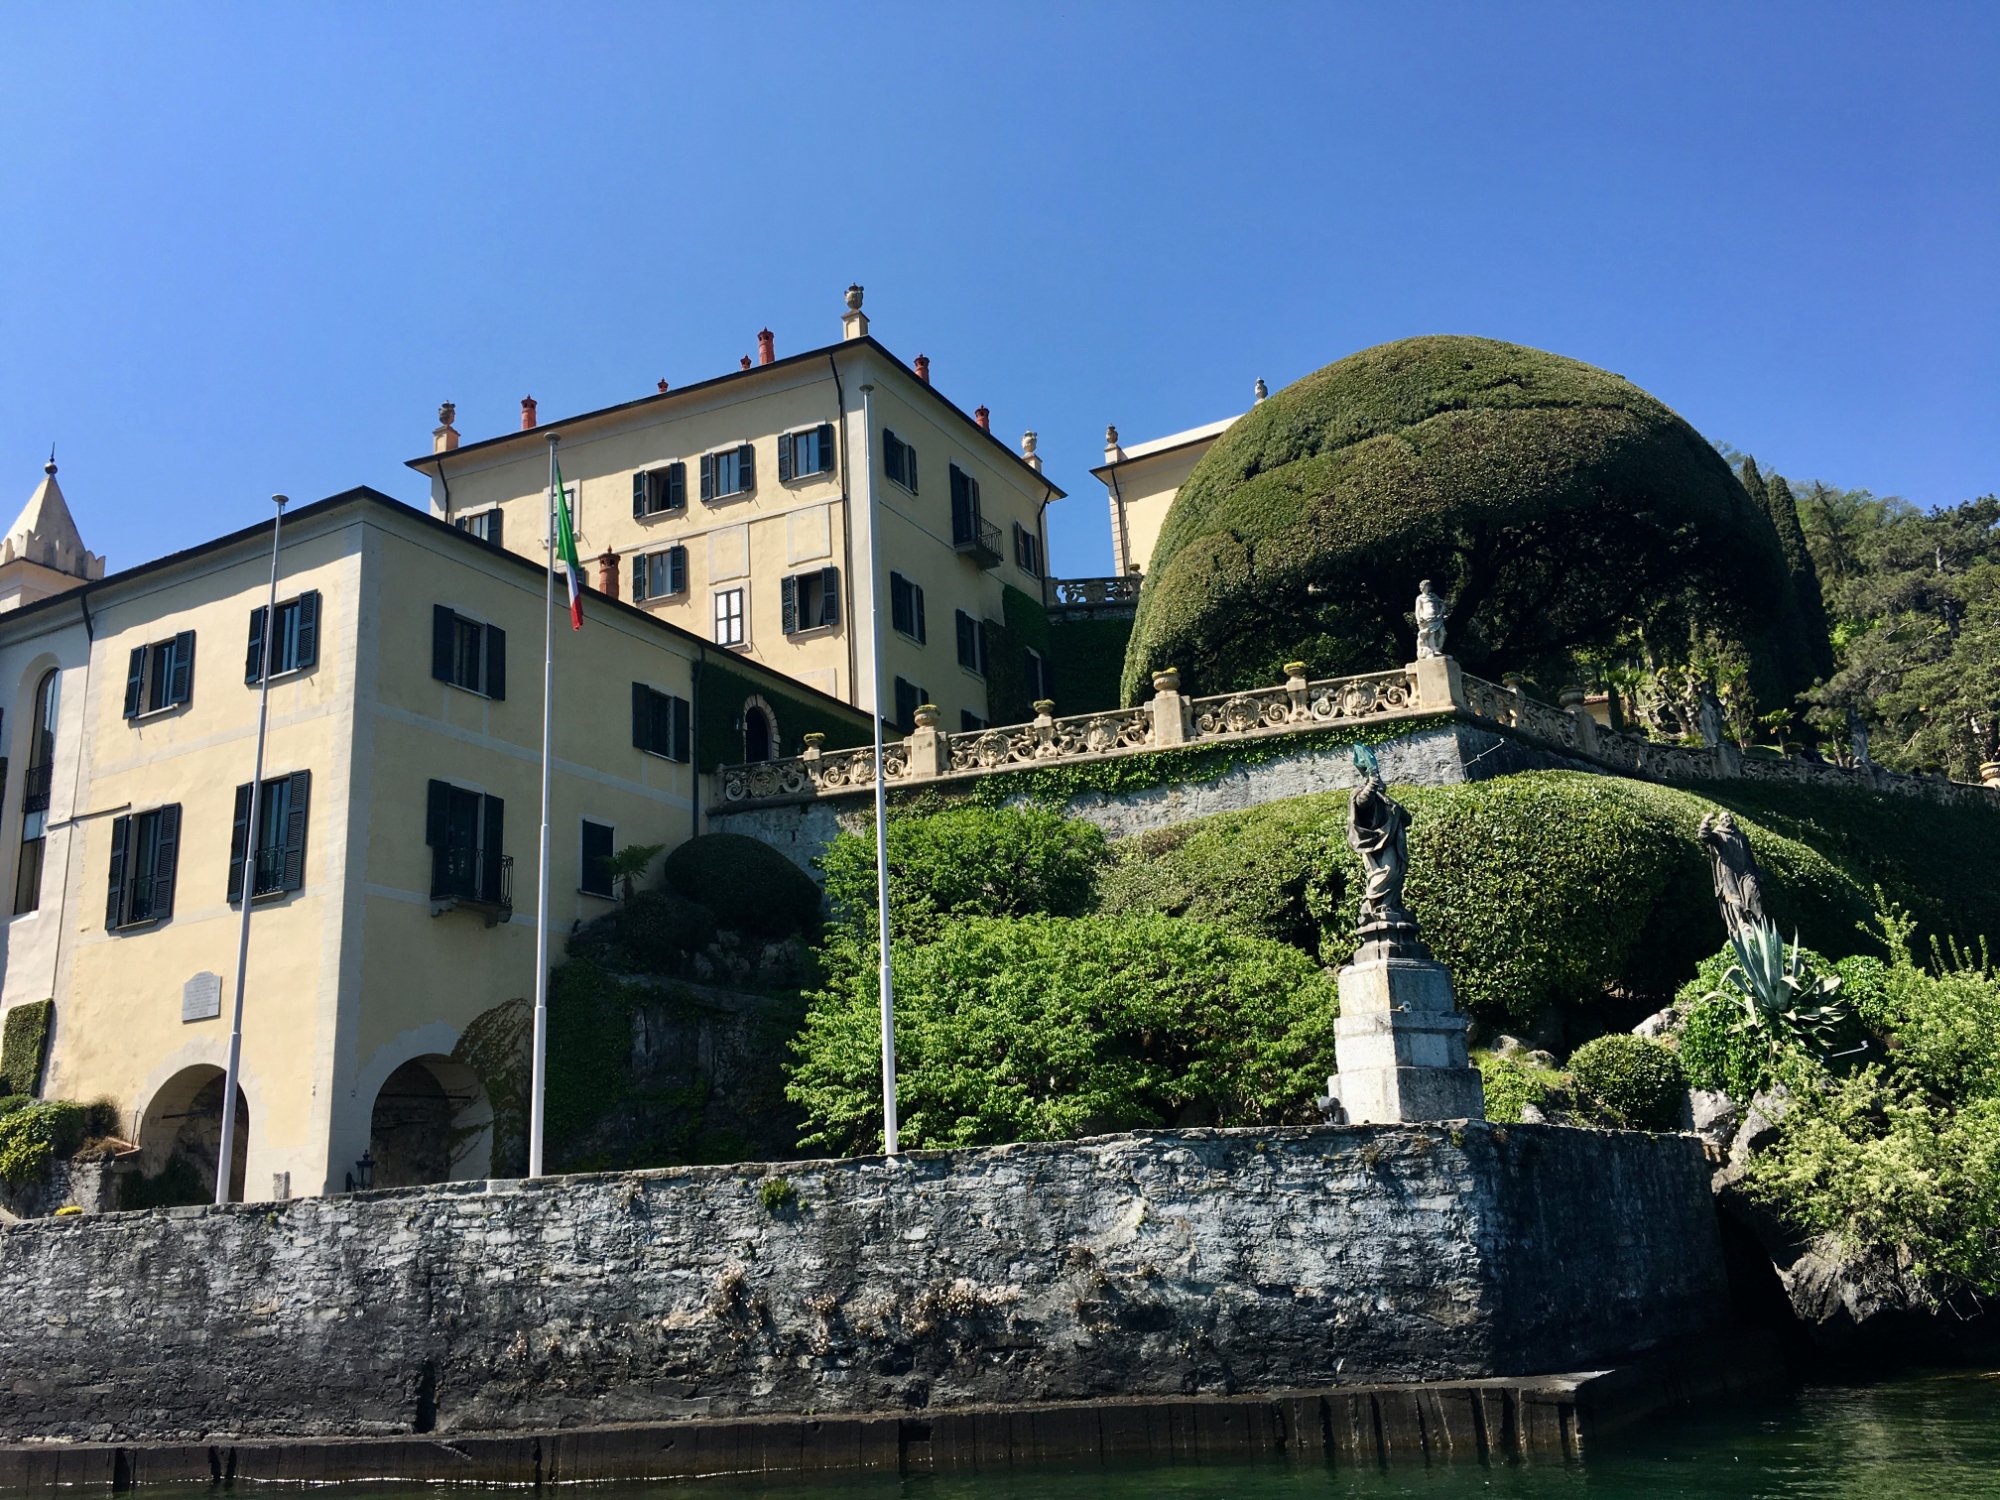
(1095, 593)
(1432, 687)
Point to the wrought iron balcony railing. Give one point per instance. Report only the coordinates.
(976, 538)
(474, 877)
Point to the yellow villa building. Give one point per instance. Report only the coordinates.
(1140, 481)
(744, 508)
(392, 874)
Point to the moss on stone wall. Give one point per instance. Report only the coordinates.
(24, 1041)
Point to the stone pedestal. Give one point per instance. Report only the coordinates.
(1400, 1046)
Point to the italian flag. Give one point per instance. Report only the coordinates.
(566, 550)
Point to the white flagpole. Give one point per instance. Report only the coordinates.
(232, 1075)
(541, 1044)
(885, 980)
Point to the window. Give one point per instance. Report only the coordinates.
(965, 515)
(908, 697)
(594, 878)
(729, 617)
(760, 735)
(468, 654)
(968, 721)
(899, 460)
(1041, 682)
(294, 639)
(35, 788)
(733, 471)
(659, 722)
(1027, 550)
(803, 454)
(906, 607)
(464, 830)
(484, 524)
(145, 847)
(660, 575)
(811, 600)
(161, 676)
(280, 855)
(971, 644)
(658, 491)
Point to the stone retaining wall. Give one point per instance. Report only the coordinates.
(1182, 1263)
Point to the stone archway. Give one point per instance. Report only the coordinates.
(180, 1135)
(431, 1122)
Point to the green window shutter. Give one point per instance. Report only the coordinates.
(114, 902)
(677, 570)
(442, 623)
(437, 810)
(917, 601)
(785, 440)
(166, 858)
(180, 684)
(135, 681)
(239, 841)
(641, 740)
(595, 875)
(677, 709)
(746, 468)
(708, 476)
(253, 658)
(638, 577)
(295, 831)
(829, 596)
(496, 662)
(788, 604)
(642, 494)
(826, 447)
(309, 625)
(677, 486)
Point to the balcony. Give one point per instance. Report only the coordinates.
(475, 878)
(976, 538)
(1094, 598)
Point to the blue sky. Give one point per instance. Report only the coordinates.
(250, 248)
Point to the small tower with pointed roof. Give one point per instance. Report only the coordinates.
(42, 554)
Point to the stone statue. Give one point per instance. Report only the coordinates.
(1709, 718)
(1431, 610)
(1857, 737)
(1378, 830)
(1739, 889)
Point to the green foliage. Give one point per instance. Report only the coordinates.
(1023, 624)
(1511, 1084)
(1089, 654)
(11, 1102)
(178, 1184)
(1040, 1027)
(628, 865)
(778, 1195)
(655, 932)
(747, 884)
(1557, 505)
(721, 690)
(1784, 1005)
(33, 1137)
(1631, 1082)
(24, 1040)
(965, 861)
(496, 1044)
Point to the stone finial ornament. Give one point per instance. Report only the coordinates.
(1431, 612)
(448, 413)
(854, 296)
(1260, 390)
(1028, 442)
(1739, 886)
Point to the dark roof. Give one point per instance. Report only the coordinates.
(426, 463)
(369, 496)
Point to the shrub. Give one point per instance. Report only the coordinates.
(34, 1136)
(1512, 1084)
(1718, 1051)
(1632, 1082)
(1546, 888)
(11, 1102)
(1569, 503)
(24, 1039)
(747, 884)
(966, 861)
(1038, 1027)
(655, 932)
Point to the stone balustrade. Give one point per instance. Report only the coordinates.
(1170, 719)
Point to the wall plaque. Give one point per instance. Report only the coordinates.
(201, 997)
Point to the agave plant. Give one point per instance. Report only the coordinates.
(1783, 1000)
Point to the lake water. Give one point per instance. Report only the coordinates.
(1917, 1438)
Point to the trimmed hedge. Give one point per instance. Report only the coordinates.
(748, 885)
(1549, 888)
(1631, 1082)
(1556, 504)
(24, 1041)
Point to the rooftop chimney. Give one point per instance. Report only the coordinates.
(744, 363)
(767, 346)
(607, 573)
(1028, 454)
(924, 368)
(854, 322)
(663, 388)
(1112, 452)
(527, 412)
(983, 417)
(1261, 390)
(444, 436)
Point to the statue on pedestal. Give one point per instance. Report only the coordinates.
(1739, 888)
(1378, 830)
(1430, 614)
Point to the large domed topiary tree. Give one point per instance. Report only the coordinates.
(1557, 506)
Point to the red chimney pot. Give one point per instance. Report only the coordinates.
(746, 362)
(527, 412)
(982, 417)
(607, 573)
(924, 368)
(767, 346)
(663, 388)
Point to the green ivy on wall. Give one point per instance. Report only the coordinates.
(24, 1041)
(721, 693)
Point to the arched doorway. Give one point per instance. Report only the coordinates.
(760, 732)
(431, 1123)
(180, 1137)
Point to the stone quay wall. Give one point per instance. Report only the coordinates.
(1188, 1263)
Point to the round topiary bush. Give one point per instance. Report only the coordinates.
(748, 885)
(1557, 505)
(1632, 1082)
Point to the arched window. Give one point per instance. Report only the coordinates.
(759, 734)
(35, 795)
